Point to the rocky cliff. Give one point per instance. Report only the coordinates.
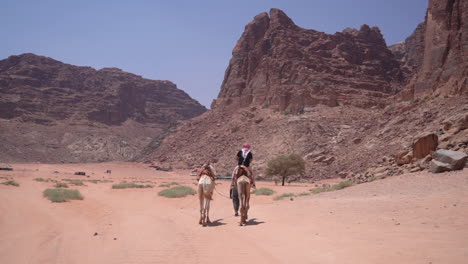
(410, 52)
(279, 65)
(328, 98)
(43, 90)
(51, 111)
(444, 67)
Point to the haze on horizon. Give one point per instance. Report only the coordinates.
(186, 42)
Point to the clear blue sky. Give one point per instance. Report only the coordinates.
(187, 42)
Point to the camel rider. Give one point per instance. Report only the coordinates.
(244, 158)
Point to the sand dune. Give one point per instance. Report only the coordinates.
(417, 218)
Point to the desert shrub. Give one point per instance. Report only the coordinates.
(125, 185)
(98, 181)
(304, 194)
(263, 191)
(11, 182)
(62, 195)
(167, 185)
(285, 166)
(75, 182)
(284, 195)
(319, 190)
(341, 185)
(40, 179)
(178, 191)
(61, 185)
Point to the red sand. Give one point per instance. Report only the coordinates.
(416, 218)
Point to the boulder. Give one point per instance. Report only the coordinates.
(456, 160)
(424, 163)
(404, 157)
(437, 166)
(424, 145)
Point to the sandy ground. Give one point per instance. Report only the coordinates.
(417, 218)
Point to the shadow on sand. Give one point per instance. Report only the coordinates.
(254, 221)
(217, 222)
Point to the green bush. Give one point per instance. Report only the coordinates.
(263, 191)
(167, 185)
(62, 195)
(319, 190)
(61, 185)
(11, 182)
(284, 195)
(304, 194)
(40, 179)
(341, 185)
(98, 181)
(178, 191)
(75, 182)
(125, 185)
(285, 166)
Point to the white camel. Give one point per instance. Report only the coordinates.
(206, 187)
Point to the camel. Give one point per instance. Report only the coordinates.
(243, 189)
(206, 187)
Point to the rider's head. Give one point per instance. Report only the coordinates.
(246, 145)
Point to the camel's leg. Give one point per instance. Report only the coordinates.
(240, 190)
(207, 209)
(247, 201)
(205, 202)
(200, 198)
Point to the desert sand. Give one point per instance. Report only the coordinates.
(413, 218)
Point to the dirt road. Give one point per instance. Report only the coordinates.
(417, 218)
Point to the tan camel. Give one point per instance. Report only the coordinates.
(206, 185)
(243, 189)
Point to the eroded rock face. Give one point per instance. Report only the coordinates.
(410, 52)
(278, 65)
(55, 112)
(444, 68)
(42, 90)
(305, 74)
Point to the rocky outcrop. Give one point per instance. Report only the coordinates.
(444, 68)
(55, 112)
(279, 65)
(45, 91)
(291, 90)
(410, 52)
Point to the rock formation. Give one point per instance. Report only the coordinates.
(42, 90)
(291, 90)
(277, 64)
(410, 52)
(444, 68)
(56, 112)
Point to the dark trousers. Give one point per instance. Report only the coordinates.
(235, 199)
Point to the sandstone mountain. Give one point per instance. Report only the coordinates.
(281, 66)
(55, 112)
(334, 99)
(443, 68)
